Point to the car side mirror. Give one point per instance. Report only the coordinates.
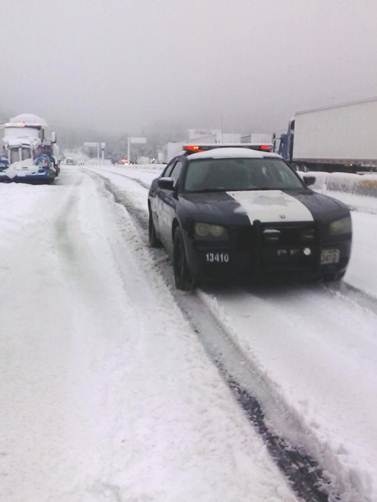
(309, 180)
(166, 183)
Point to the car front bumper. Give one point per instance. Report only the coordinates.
(35, 178)
(248, 254)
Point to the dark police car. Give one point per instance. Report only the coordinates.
(237, 212)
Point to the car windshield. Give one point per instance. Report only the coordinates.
(208, 175)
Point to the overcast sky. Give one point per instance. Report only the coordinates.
(121, 65)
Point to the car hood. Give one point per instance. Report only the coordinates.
(266, 206)
(212, 207)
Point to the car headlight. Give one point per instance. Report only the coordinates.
(208, 231)
(341, 227)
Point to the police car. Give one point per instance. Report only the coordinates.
(229, 212)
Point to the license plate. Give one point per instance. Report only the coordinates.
(330, 256)
(217, 257)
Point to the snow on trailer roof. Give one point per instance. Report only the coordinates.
(232, 152)
(339, 105)
(26, 119)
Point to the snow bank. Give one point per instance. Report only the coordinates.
(360, 184)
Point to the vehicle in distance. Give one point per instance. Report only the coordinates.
(69, 162)
(224, 213)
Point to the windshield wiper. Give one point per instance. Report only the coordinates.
(255, 189)
(207, 190)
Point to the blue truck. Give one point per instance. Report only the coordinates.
(27, 155)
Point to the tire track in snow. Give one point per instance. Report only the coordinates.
(307, 478)
(63, 221)
(354, 295)
(142, 183)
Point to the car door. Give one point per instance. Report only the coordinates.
(156, 197)
(168, 207)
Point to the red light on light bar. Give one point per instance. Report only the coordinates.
(265, 148)
(192, 148)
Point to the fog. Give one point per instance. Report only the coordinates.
(126, 65)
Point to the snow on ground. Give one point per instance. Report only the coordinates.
(363, 203)
(362, 271)
(145, 174)
(349, 189)
(317, 348)
(318, 351)
(353, 184)
(106, 393)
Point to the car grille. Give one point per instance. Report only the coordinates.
(281, 246)
(288, 234)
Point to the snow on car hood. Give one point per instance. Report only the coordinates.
(270, 206)
(243, 207)
(267, 206)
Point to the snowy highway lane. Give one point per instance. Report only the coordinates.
(314, 349)
(106, 392)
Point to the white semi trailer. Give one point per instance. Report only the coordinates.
(338, 138)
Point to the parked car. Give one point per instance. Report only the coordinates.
(224, 213)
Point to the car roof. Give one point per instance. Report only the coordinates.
(232, 152)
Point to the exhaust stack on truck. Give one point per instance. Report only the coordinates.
(335, 139)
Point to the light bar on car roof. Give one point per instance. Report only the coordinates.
(192, 148)
(263, 147)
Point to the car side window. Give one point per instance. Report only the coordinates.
(168, 169)
(176, 171)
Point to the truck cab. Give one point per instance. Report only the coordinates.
(30, 157)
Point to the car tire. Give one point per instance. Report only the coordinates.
(154, 241)
(182, 275)
(334, 276)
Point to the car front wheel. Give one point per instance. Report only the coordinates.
(333, 276)
(182, 274)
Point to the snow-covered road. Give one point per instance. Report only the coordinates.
(314, 347)
(106, 392)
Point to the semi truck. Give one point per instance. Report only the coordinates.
(27, 155)
(339, 138)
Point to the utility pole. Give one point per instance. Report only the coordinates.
(98, 152)
(103, 146)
